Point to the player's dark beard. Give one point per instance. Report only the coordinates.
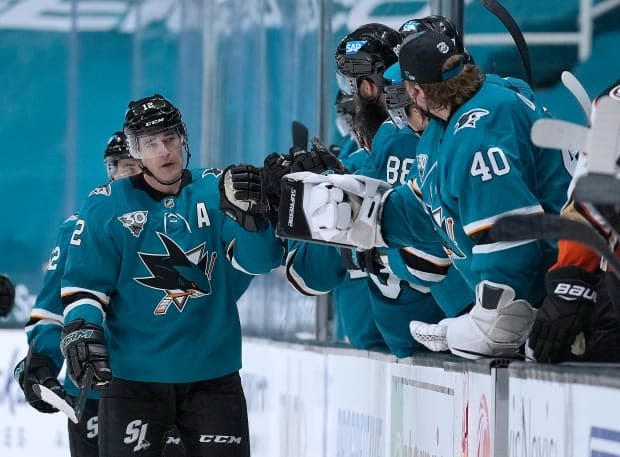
(368, 119)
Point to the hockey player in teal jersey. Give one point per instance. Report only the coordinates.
(393, 303)
(316, 269)
(475, 164)
(479, 165)
(345, 118)
(153, 273)
(44, 359)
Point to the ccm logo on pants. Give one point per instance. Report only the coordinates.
(220, 439)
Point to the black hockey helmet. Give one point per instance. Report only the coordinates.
(439, 24)
(447, 27)
(413, 26)
(116, 150)
(117, 147)
(151, 115)
(367, 52)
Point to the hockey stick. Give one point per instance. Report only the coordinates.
(598, 189)
(604, 143)
(553, 227)
(300, 136)
(515, 32)
(51, 398)
(579, 92)
(558, 134)
(80, 404)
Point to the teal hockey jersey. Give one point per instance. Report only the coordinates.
(163, 274)
(46, 320)
(475, 168)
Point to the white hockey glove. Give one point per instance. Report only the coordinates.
(343, 210)
(496, 326)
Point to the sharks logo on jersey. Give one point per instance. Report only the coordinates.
(212, 171)
(422, 159)
(180, 274)
(446, 224)
(134, 221)
(470, 118)
(102, 190)
(73, 217)
(615, 93)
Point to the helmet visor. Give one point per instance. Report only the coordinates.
(155, 144)
(122, 167)
(344, 123)
(399, 117)
(346, 84)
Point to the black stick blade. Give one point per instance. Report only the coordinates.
(300, 136)
(553, 227)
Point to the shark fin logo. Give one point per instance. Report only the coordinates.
(102, 190)
(134, 221)
(180, 274)
(422, 161)
(470, 118)
(211, 171)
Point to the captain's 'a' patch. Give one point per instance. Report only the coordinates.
(470, 118)
(102, 190)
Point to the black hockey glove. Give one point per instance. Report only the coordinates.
(275, 166)
(318, 160)
(368, 261)
(84, 346)
(241, 197)
(565, 312)
(37, 368)
(7, 295)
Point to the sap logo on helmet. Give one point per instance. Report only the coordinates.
(470, 118)
(156, 121)
(396, 49)
(411, 26)
(353, 47)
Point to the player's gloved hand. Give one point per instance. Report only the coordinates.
(275, 166)
(335, 209)
(242, 198)
(564, 314)
(83, 345)
(369, 261)
(37, 368)
(318, 160)
(496, 326)
(7, 295)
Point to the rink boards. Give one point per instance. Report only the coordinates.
(318, 401)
